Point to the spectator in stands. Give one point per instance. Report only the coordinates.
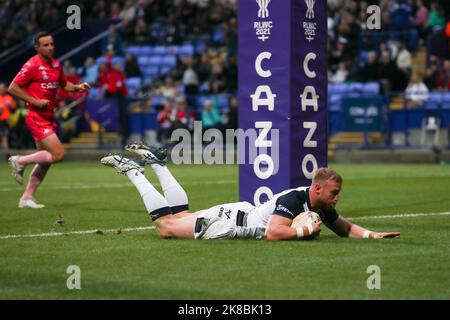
(231, 74)
(89, 71)
(128, 12)
(169, 89)
(404, 60)
(436, 17)
(67, 64)
(417, 92)
(341, 74)
(74, 78)
(183, 117)
(165, 118)
(114, 11)
(190, 78)
(131, 66)
(421, 18)
(204, 68)
(431, 74)
(401, 14)
(141, 35)
(370, 71)
(113, 41)
(112, 82)
(443, 78)
(7, 104)
(190, 81)
(391, 77)
(210, 116)
(232, 115)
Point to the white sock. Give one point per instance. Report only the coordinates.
(154, 202)
(173, 191)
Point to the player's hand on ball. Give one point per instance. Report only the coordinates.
(382, 235)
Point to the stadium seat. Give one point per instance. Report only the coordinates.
(446, 100)
(186, 50)
(160, 50)
(339, 88)
(434, 100)
(93, 93)
(355, 87)
(100, 60)
(142, 61)
(157, 100)
(169, 60)
(164, 70)
(146, 51)
(134, 50)
(371, 88)
(363, 58)
(151, 70)
(134, 81)
(154, 60)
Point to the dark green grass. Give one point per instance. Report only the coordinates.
(139, 265)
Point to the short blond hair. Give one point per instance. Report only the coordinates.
(323, 174)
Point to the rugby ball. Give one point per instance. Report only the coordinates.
(304, 218)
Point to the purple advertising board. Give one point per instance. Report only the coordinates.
(105, 112)
(282, 95)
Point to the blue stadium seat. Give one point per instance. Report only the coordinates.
(164, 70)
(146, 51)
(151, 70)
(363, 58)
(157, 100)
(186, 50)
(134, 82)
(446, 100)
(93, 93)
(100, 60)
(160, 50)
(339, 88)
(434, 100)
(355, 87)
(223, 101)
(169, 60)
(154, 60)
(142, 61)
(134, 50)
(371, 88)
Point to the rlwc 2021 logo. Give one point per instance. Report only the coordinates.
(310, 10)
(263, 28)
(263, 12)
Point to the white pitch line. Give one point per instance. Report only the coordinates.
(404, 215)
(56, 234)
(114, 185)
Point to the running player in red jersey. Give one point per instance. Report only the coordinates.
(37, 83)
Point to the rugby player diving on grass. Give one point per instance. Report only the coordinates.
(271, 220)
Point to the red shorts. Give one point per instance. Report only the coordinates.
(39, 127)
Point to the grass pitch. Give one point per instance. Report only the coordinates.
(137, 264)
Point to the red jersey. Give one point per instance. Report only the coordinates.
(41, 80)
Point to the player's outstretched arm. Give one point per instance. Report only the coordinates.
(344, 228)
(81, 87)
(279, 228)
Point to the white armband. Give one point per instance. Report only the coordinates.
(366, 234)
